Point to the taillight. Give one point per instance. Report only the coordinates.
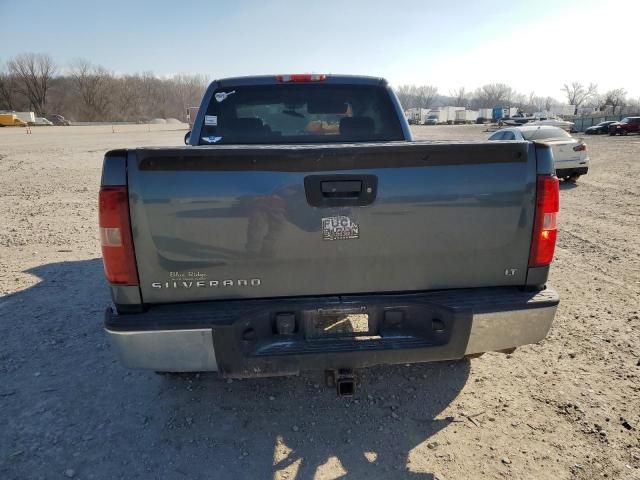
(543, 242)
(115, 236)
(301, 77)
(581, 147)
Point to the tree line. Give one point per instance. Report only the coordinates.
(500, 94)
(82, 91)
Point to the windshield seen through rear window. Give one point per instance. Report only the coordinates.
(300, 113)
(544, 133)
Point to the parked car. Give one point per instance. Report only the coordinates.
(625, 126)
(569, 154)
(41, 121)
(209, 247)
(602, 127)
(11, 120)
(432, 119)
(58, 120)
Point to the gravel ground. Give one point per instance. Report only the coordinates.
(566, 408)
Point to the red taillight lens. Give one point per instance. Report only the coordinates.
(115, 236)
(543, 242)
(301, 77)
(581, 147)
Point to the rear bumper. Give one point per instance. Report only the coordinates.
(241, 339)
(565, 172)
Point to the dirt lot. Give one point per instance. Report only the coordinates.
(566, 408)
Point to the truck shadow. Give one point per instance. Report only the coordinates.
(65, 392)
(567, 185)
(301, 429)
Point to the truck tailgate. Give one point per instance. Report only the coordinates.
(222, 222)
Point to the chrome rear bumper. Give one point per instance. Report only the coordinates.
(496, 331)
(188, 350)
(484, 323)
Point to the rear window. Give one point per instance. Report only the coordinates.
(503, 135)
(300, 113)
(545, 133)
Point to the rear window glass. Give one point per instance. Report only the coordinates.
(503, 135)
(300, 113)
(544, 133)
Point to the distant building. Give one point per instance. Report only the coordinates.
(563, 110)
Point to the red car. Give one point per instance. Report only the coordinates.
(625, 126)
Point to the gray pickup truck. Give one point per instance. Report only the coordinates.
(302, 228)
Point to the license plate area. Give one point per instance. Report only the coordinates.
(338, 323)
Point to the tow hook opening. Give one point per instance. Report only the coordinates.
(344, 379)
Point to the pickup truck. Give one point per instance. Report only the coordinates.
(302, 228)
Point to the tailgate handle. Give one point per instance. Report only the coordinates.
(340, 190)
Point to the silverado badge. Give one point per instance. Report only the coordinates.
(339, 228)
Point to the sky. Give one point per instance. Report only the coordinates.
(534, 46)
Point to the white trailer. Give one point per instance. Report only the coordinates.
(450, 113)
(466, 116)
(28, 117)
(410, 115)
(442, 115)
(485, 113)
(417, 116)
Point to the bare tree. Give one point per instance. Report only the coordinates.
(188, 91)
(63, 98)
(34, 72)
(89, 92)
(93, 84)
(536, 103)
(406, 94)
(8, 92)
(459, 97)
(494, 94)
(154, 95)
(519, 100)
(634, 105)
(577, 93)
(549, 102)
(616, 98)
(127, 98)
(425, 95)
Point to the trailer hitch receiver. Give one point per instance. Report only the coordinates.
(343, 379)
